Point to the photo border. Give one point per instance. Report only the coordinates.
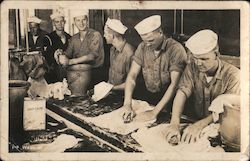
(186, 5)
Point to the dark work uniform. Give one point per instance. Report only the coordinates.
(38, 44)
(52, 42)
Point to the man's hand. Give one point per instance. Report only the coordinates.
(63, 60)
(173, 131)
(146, 116)
(192, 133)
(129, 114)
(56, 55)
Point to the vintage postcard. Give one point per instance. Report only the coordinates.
(124, 80)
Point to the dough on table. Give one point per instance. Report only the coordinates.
(153, 140)
(113, 121)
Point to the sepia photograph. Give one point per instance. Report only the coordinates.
(124, 80)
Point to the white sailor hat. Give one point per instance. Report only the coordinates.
(57, 14)
(78, 13)
(202, 42)
(116, 25)
(149, 24)
(34, 19)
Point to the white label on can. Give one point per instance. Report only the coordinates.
(34, 114)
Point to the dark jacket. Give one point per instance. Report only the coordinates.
(52, 42)
(38, 45)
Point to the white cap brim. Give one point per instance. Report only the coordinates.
(202, 42)
(34, 19)
(148, 25)
(116, 25)
(56, 15)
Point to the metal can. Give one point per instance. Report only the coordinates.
(34, 114)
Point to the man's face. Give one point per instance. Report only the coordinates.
(108, 35)
(205, 62)
(81, 22)
(59, 23)
(33, 28)
(152, 39)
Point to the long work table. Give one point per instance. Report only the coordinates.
(70, 109)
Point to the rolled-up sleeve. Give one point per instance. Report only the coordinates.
(70, 49)
(130, 53)
(96, 48)
(95, 43)
(233, 83)
(178, 58)
(138, 57)
(186, 83)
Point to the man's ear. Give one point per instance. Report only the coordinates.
(160, 31)
(217, 53)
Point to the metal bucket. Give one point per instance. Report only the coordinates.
(79, 81)
(17, 91)
(230, 128)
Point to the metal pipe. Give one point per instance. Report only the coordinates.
(174, 21)
(73, 29)
(25, 11)
(17, 30)
(182, 27)
(103, 18)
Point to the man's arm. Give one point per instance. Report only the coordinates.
(119, 87)
(129, 89)
(178, 106)
(193, 132)
(169, 94)
(83, 59)
(95, 43)
(131, 82)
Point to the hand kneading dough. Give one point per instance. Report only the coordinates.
(114, 122)
(153, 140)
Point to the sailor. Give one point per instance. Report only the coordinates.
(206, 77)
(162, 61)
(36, 34)
(120, 53)
(84, 53)
(57, 39)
